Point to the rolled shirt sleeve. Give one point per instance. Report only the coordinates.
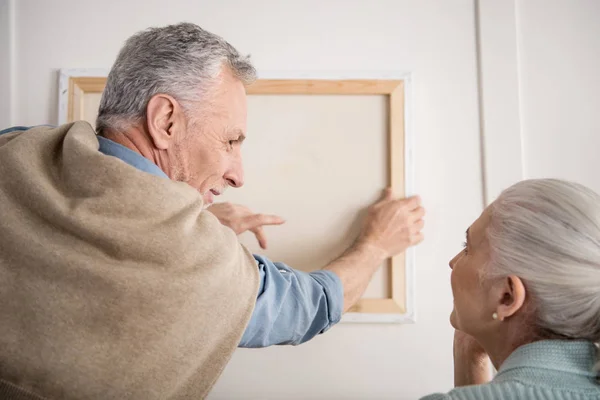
(292, 306)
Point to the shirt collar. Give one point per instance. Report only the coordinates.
(110, 148)
(577, 357)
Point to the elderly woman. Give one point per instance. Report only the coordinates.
(526, 292)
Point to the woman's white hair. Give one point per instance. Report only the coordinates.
(547, 232)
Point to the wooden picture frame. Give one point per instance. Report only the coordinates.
(399, 307)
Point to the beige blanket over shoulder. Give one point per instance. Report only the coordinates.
(114, 284)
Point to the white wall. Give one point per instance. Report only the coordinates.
(434, 40)
(6, 61)
(557, 56)
(559, 69)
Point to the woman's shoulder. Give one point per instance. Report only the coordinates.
(487, 391)
(513, 390)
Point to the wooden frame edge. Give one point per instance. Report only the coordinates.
(78, 87)
(396, 303)
(319, 86)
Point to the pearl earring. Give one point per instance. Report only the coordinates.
(495, 315)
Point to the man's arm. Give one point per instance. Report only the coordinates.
(392, 225)
(294, 306)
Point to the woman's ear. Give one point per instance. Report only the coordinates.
(512, 297)
(162, 117)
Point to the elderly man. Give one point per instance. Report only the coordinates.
(114, 280)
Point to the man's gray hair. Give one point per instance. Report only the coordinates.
(180, 60)
(547, 232)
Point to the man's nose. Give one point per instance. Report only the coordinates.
(235, 175)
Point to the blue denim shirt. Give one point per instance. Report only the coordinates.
(291, 306)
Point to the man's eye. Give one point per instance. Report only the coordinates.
(233, 141)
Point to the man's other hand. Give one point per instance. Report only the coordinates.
(240, 219)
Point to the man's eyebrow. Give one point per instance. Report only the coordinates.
(467, 235)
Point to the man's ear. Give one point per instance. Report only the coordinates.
(512, 297)
(164, 120)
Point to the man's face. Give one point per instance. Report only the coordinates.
(209, 156)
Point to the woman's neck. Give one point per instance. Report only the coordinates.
(502, 343)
